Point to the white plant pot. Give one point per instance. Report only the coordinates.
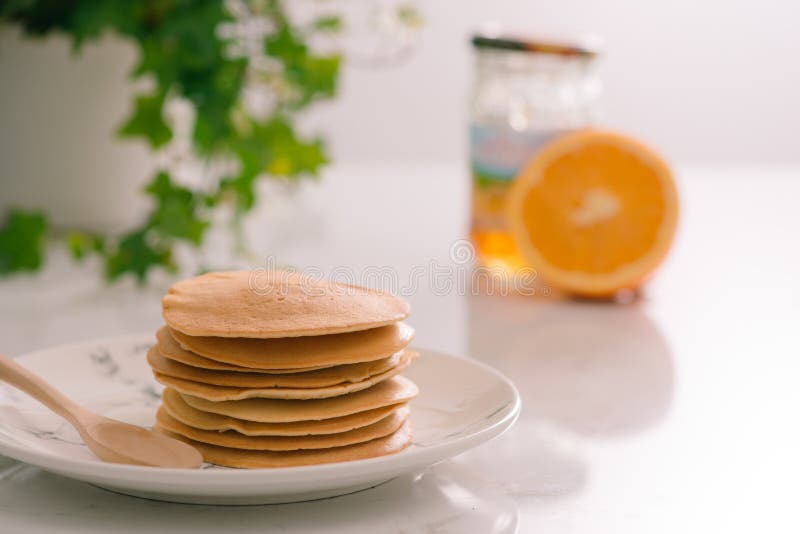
(59, 113)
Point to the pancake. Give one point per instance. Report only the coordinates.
(392, 391)
(180, 410)
(233, 439)
(329, 376)
(275, 304)
(393, 443)
(296, 352)
(169, 348)
(221, 393)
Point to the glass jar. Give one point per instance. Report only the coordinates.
(525, 93)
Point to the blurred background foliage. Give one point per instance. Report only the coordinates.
(207, 53)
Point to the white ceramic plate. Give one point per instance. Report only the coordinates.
(462, 403)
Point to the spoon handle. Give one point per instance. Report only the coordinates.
(36, 387)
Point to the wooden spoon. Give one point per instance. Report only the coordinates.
(112, 441)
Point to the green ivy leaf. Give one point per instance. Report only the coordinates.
(38, 17)
(22, 241)
(312, 76)
(11, 7)
(137, 255)
(272, 148)
(288, 155)
(176, 210)
(242, 187)
(147, 121)
(81, 244)
(315, 76)
(285, 45)
(214, 95)
(91, 17)
(328, 23)
(178, 38)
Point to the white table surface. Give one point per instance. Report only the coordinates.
(676, 413)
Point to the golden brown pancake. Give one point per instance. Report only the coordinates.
(180, 410)
(295, 352)
(392, 391)
(393, 443)
(329, 376)
(221, 393)
(169, 348)
(233, 439)
(270, 304)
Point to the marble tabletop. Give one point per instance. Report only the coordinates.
(676, 412)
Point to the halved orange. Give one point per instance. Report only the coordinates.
(594, 212)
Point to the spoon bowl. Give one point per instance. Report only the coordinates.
(123, 443)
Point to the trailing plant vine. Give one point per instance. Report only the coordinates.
(207, 53)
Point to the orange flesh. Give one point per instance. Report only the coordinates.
(595, 212)
(603, 245)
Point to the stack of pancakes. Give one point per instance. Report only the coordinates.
(271, 369)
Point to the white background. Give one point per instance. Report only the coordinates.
(704, 81)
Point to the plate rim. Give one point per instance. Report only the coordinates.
(424, 456)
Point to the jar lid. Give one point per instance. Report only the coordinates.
(540, 46)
